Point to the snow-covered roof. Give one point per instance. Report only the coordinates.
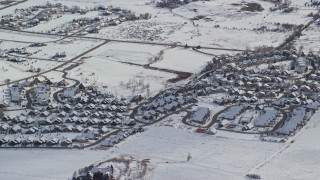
(264, 119)
(200, 115)
(295, 120)
(232, 112)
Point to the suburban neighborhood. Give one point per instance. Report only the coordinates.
(159, 89)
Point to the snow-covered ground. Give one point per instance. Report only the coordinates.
(12, 71)
(15, 71)
(213, 157)
(26, 37)
(45, 164)
(127, 52)
(71, 47)
(181, 59)
(115, 75)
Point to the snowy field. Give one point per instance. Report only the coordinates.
(180, 59)
(45, 164)
(71, 47)
(15, 71)
(12, 71)
(26, 37)
(10, 44)
(127, 52)
(213, 157)
(115, 75)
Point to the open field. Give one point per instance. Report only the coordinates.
(45, 164)
(106, 72)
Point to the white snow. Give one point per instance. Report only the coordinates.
(213, 157)
(181, 59)
(45, 164)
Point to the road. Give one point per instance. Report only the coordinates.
(117, 40)
(13, 4)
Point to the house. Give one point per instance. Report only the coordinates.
(67, 107)
(232, 112)
(296, 119)
(70, 92)
(248, 126)
(52, 141)
(4, 140)
(78, 129)
(68, 128)
(108, 142)
(62, 114)
(15, 129)
(27, 141)
(85, 114)
(42, 98)
(147, 115)
(91, 134)
(59, 55)
(31, 130)
(93, 122)
(200, 115)
(211, 131)
(4, 127)
(14, 141)
(40, 141)
(45, 122)
(44, 114)
(56, 128)
(7, 118)
(104, 130)
(129, 121)
(15, 94)
(300, 65)
(66, 142)
(73, 114)
(45, 130)
(78, 107)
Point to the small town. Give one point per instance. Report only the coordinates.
(159, 89)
